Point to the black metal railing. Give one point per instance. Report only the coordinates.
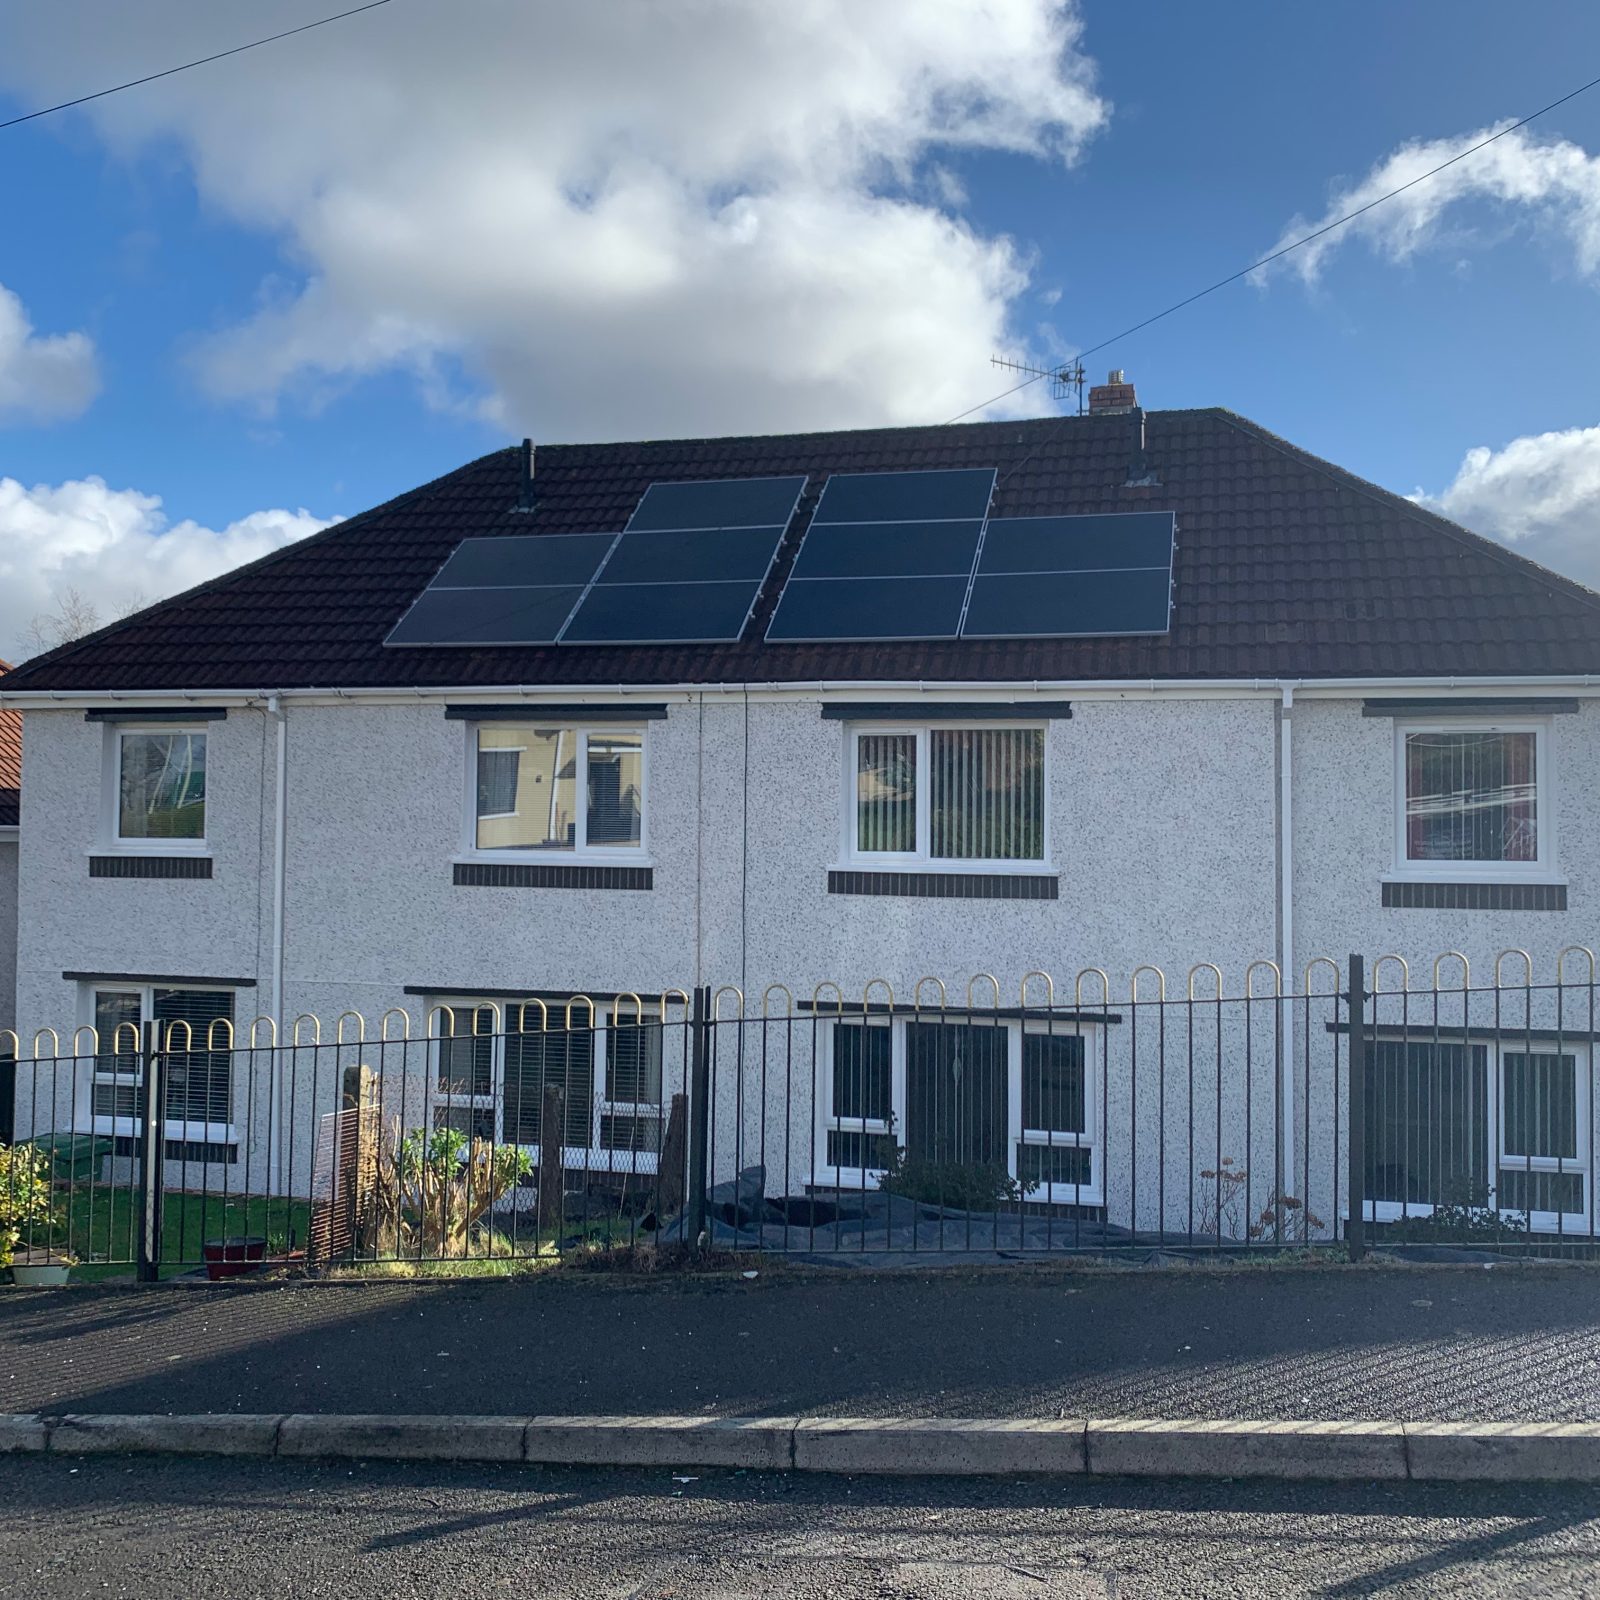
(1181, 1118)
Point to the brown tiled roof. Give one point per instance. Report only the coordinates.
(10, 763)
(1286, 567)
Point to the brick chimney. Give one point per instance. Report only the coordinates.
(1112, 397)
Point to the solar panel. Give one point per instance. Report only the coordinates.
(824, 609)
(502, 563)
(906, 496)
(717, 503)
(1061, 577)
(487, 616)
(661, 613)
(888, 550)
(704, 555)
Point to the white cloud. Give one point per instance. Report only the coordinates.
(1540, 495)
(613, 218)
(115, 548)
(43, 378)
(1553, 183)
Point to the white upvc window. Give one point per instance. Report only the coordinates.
(154, 796)
(966, 1091)
(967, 796)
(1473, 800)
(198, 1069)
(543, 791)
(1480, 1124)
(492, 1063)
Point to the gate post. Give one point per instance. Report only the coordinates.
(699, 1111)
(152, 1157)
(1356, 1230)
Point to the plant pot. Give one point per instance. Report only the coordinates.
(233, 1258)
(40, 1274)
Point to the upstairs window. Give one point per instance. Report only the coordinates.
(567, 790)
(948, 794)
(159, 789)
(1473, 799)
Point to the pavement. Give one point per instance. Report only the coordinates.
(235, 1529)
(1515, 1343)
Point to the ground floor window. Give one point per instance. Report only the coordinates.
(998, 1092)
(494, 1063)
(1491, 1125)
(197, 1063)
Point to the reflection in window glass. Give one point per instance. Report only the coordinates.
(616, 788)
(886, 792)
(161, 792)
(1471, 797)
(528, 792)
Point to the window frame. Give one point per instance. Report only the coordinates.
(1093, 1036)
(1496, 1158)
(593, 1157)
(582, 852)
(174, 1130)
(111, 836)
(1542, 868)
(922, 858)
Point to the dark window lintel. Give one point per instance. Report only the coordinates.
(161, 980)
(946, 710)
(157, 714)
(1480, 708)
(543, 711)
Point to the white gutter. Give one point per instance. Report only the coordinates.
(1286, 922)
(280, 834)
(870, 689)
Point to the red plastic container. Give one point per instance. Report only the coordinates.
(233, 1258)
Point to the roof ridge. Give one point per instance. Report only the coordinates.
(64, 652)
(840, 433)
(1526, 566)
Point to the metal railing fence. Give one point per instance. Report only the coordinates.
(1045, 1118)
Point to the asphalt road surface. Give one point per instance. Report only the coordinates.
(383, 1531)
(1514, 1344)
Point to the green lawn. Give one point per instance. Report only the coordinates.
(97, 1223)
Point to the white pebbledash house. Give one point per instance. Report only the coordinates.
(1131, 688)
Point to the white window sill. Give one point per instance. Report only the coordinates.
(151, 847)
(187, 1132)
(996, 869)
(1475, 872)
(553, 858)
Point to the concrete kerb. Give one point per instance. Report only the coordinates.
(1351, 1451)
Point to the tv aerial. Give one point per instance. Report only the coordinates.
(1066, 380)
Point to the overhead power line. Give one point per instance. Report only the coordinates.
(1277, 255)
(151, 77)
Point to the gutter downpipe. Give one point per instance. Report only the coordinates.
(1286, 923)
(280, 834)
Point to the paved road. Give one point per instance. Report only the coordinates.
(385, 1531)
(1406, 1342)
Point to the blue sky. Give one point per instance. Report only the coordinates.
(313, 276)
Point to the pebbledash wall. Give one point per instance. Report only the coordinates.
(8, 930)
(1164, 834)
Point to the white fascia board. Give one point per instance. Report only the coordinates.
(840, 689)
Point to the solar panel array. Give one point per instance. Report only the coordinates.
(916, 556)
(687, 568)
(888, 555)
